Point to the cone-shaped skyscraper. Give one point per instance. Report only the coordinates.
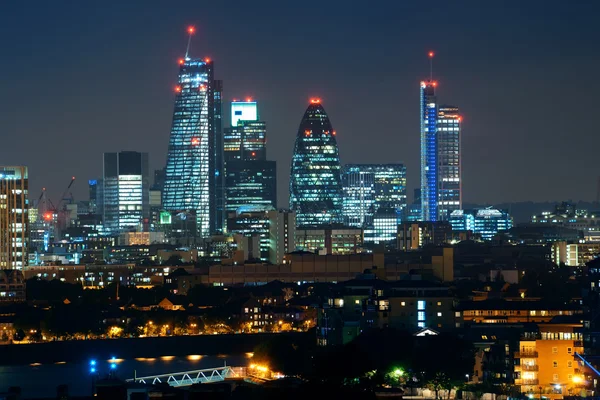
(316, 192)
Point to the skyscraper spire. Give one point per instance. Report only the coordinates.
(191, 30)
(431, 54)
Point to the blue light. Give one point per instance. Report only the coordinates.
(113, 366)
(93, 362)
(113, 359)
(92, 370)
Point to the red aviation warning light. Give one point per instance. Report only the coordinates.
(48, 216)
(307, 133)
(434, 84)
(431, 54)
(195, 141)
(459, 119)
(181, 61)
(315, 101)
(191, 29)
(202, 87)
(178, 89)
(207, 60)
(253, 154)
(248, 99)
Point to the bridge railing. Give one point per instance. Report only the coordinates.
(187, 378)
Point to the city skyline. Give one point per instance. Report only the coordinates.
(140, 119)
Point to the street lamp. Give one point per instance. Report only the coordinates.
(93, 374)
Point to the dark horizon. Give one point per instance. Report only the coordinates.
(84, 79)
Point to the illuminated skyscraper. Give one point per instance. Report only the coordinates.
(316, 192)
(194, 172)
(429, 151)
(14, 217)
(250, 180)
(450, 180)
(247, 137)
(368, 187)
(126, 185)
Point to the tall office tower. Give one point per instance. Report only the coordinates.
(247, 137)
(429, 151)
(282, 234)
(193, 171)
(218, 212)
(126, 183)
(449, 173)
(14, 217)
(93, 196)
(368, 187)
(250, 180)
(316, 192)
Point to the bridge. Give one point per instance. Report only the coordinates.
(188, 378)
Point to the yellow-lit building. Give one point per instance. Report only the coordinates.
(546, 364)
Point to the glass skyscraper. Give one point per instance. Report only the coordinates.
(450, 185)
(126, 187)
(368, 187)
(316, 192)
(194, 172)
(429, 151)
(249, 178)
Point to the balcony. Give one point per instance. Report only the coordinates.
(527, 367)
(526, 354)
(526, 382)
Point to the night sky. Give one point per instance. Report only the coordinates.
(81, 78)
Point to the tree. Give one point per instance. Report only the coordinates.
(438, 382)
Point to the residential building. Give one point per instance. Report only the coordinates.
(449, 153)
(316, 193)
(499, 311)
(367, 303)
(367, 187)
(415, 235)
(14, 217)
(546, 364)
(126, 189)
(574, 254)
(194, 171)
(12, 286)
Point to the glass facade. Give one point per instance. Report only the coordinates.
(385, 226)
(14, 217)
(368, 187)
(429, 152)
(249, 221)
(486, 222)
(190, 178)
(448, 133)
(251, 183)
(316, 193)
(250, 179)
(126, 191)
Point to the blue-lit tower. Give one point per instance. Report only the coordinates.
(316, 192)
(193, 177)
(429, 151)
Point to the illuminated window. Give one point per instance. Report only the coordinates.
(357, 301)
(439, 303)
(421, 305)
(403, 303)
(439, 314)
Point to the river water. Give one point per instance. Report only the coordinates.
(41, 380)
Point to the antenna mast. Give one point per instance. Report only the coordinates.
(191, 30)
(431, 54)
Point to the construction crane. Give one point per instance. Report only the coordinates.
(53, 214)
